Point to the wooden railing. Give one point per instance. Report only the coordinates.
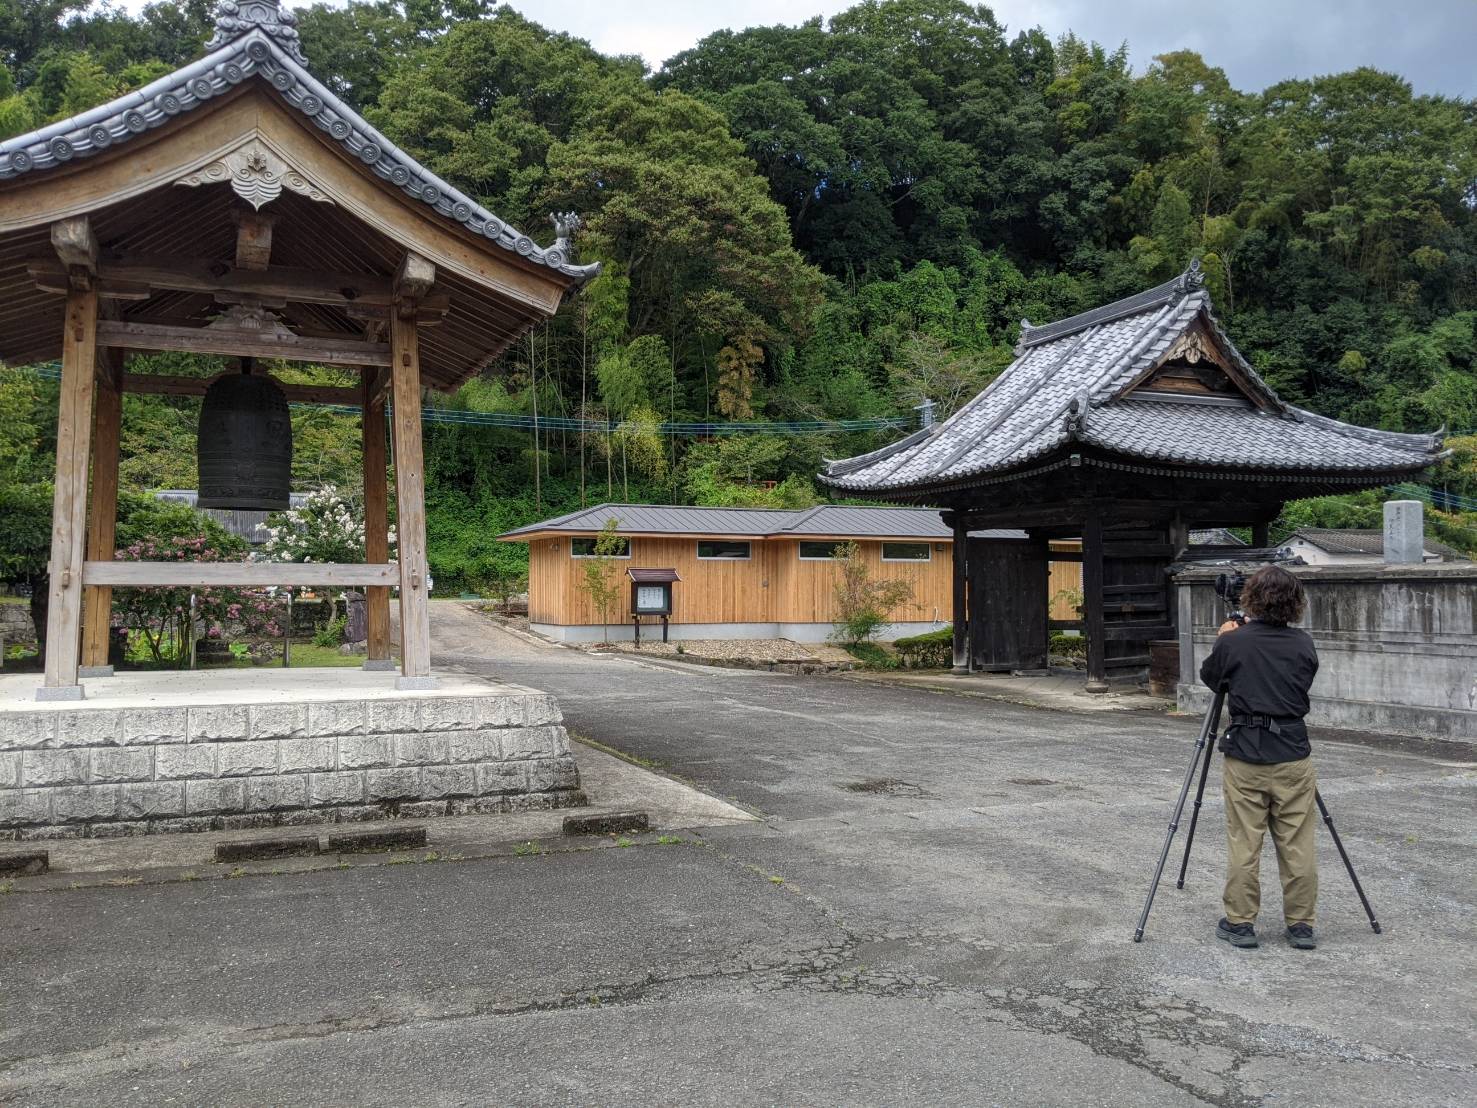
(258, 574)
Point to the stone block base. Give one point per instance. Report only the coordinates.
(146, 765)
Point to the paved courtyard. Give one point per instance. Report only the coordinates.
(936, 907)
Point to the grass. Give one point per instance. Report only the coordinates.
(872, 655)
(634, 759)
(524, 849)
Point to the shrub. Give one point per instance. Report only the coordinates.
(1071, 646)
(930, 650)
(863, 604)
(330, 633)
(872, 655)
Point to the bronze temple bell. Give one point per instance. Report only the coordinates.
(244, 444)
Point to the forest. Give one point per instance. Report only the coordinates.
(832, 221)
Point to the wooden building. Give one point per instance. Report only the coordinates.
(1126, 426)
(743, 572)
(237, 207)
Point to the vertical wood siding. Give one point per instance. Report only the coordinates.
(774, 586)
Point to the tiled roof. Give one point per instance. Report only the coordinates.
(838, 520)
(1338, 540)
(255, 40)
(1067, 386)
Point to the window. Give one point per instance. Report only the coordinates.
(585, 548)
(906, 552)
(820, 551)
(722, 549)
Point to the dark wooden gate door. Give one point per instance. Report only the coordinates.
(1135, 598)
(1007, 603)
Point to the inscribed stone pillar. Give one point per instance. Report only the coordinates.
(1404, 532)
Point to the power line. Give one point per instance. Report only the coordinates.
(518, 422)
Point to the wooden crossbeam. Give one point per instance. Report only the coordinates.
(241, 343)
(369, 300)
(258, 574)
(165, 384)
(184, 274)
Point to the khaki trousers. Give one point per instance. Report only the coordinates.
(1280, 795)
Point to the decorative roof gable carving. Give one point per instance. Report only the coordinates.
(257, 175)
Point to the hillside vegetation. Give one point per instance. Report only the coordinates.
(834, 221)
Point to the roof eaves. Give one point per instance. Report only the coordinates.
(257, 53)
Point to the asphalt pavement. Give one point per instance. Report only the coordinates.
(935, 907)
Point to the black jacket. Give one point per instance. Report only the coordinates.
(1268, 669)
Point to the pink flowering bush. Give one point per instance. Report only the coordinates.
(162, 615)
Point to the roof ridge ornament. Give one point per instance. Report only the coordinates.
(236, 18)
(1191, 279)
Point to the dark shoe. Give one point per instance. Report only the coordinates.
(1237, 934)
(1301, 936)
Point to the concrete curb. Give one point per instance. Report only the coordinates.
(606, 824)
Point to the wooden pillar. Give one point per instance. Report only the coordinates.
(1092, 604)
(376, 521)
(961, 598)
(410, 500)
(69, 502)
(102, 516)
(1259, 536)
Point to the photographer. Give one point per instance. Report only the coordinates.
(1267, 668)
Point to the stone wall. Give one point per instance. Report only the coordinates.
(110, 771)
(1397, 645)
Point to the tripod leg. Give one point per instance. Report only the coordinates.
(1199, 796)
(1348, 865)
(1211, 716)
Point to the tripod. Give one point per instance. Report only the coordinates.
(1204, 742)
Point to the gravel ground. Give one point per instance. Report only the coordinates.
(740, 650)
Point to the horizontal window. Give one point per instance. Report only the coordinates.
(721, 549)
(820, 551)
(585, 548)
(906, 552)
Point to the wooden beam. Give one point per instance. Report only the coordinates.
(253, 238)
(102, 516)
(376, 517)
(222, 279)
(257, 574)
(69, 499)
(76, 248)
(410, 501)
(413, 281)
(218, 340)
(961, 598)
(167, 384)
(1092, 603)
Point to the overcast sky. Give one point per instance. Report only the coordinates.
(1257, 42)
(1428, 42)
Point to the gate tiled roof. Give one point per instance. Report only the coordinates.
(1068, 384)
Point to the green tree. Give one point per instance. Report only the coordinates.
(600, 575)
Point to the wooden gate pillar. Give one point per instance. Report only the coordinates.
(410, 500)
(102, 517)
(376, 521)
(69, 500)
(1092, 604)
(961, 598)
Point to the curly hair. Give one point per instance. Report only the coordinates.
(1273, 595)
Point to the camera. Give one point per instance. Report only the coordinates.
(1228, 586)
